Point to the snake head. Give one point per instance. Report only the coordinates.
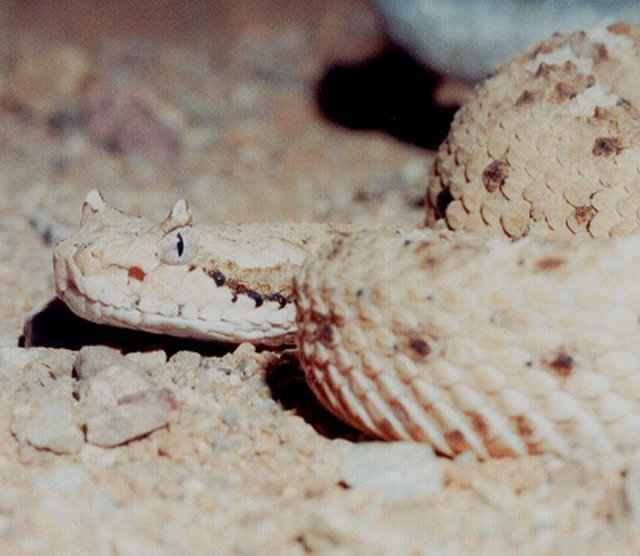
(107, 264)
(224, 282)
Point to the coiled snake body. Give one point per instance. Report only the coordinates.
(441, 335)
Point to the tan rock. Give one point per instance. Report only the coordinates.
(47, 81)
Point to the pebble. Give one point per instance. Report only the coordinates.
(115, 385)
(148, 360)
(118, 400)
(186, 359)
(54, 428)
(468, 39)
(93, 360)
(397, 470)
(19, 357)
(120, 424)
(46, 82)
(130, 120)
(53, 366)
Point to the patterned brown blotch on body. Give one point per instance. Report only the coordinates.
(495, 174)
(562, 364)
(607, 146)
(549, 263)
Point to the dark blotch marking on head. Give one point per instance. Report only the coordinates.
(218, 277)
(238, 288)
(607, 146)
(252, 294)
(256, 297)
(278, 298)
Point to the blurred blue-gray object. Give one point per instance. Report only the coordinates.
(469, 38)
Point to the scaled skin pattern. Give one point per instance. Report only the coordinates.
(468, 39)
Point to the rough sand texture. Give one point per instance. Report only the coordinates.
(188, 450)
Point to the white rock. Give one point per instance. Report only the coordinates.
(397, 470)
(19, 357)
(93, 360)
(113, 385)
(148, 360)
(54, 428)
(120, 424)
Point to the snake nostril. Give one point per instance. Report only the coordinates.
(136, 273)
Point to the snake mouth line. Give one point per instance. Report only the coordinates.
(236, 287)
(222, 328)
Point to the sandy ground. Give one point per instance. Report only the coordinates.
(264, 111)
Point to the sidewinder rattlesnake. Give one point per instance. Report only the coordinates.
(441, 335)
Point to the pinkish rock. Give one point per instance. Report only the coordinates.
(130, 120)
(126, 422)
(47, 82)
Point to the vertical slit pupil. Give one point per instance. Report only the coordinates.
(180, 244)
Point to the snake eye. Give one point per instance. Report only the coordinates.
(178, 246)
